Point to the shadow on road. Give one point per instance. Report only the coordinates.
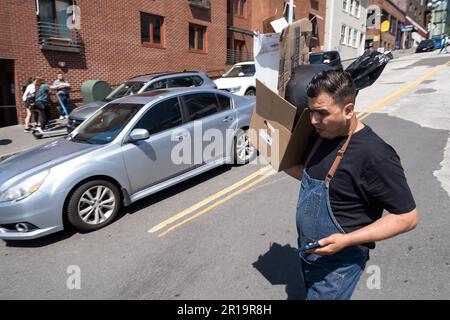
(281, 266)
(4, 142)
(174, 190)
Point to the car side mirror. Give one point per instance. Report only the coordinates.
(138, 135)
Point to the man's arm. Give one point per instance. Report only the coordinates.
(386, 227)
(295, 172)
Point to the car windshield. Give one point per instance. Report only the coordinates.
(104, 126)
(125, 89)
(247, 70)
(315, 58)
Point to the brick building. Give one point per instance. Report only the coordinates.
(116, 40)
(406, 26)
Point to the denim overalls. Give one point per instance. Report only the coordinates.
(332, 277)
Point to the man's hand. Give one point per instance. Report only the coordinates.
(331, 245)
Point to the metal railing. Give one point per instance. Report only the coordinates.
(206, 4)
(58, 37)
(234, 56)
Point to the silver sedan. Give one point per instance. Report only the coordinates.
(129, 149)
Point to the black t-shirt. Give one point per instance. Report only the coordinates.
(370, 178)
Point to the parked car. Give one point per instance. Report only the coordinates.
(141, 84)
(425, 46)
(330, 58)
(240, 79)
(437, 42)
(122, 153)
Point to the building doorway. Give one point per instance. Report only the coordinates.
(8, 110)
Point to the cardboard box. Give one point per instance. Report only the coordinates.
(278, 132)
(294, 50)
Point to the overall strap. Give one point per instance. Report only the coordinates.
(340, 154)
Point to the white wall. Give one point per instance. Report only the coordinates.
(354, 22)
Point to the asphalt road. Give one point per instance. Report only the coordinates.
(240, 245)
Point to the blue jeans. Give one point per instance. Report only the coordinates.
(64, 99)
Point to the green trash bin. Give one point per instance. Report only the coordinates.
(94, 90)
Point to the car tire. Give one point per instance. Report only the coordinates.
(93, 205)
(243, 152)
(250, 92)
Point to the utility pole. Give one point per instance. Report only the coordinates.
(291, 11)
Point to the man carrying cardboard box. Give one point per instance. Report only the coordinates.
(350, 175)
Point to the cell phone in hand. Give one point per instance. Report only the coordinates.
(309, 246)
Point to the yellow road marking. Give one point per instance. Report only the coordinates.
(204, 202)
(234, 194)
(382, 103)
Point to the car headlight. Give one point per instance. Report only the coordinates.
(234, 89)
(24, 188)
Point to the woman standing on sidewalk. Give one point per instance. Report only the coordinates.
(28, 101)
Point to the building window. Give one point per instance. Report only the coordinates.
(286, 11)
(354, 38)
(152, 30)
(342, 34)
(357, 8)
(392, 24)
(197, 35)
(347, 35)
(315, 29)
(352, 7)
(344, 5)
(239, 8)
(53, 17)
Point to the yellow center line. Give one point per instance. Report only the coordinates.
(382, 103)
(234, 194)
(204, 202)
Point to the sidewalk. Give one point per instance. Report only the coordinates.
(13, 139)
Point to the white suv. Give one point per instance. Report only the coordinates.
(240, 79)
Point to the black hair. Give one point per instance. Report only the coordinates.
(338, 84)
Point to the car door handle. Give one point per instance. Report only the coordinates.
(180, 137)
(228, 119)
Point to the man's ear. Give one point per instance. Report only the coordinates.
(349, 109)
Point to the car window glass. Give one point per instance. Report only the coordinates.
(198, 81)
(200, 105)
(161, 84)
(163, 116)
(315, 59)
(240, 71)
(126, 89)
(224, 102)
(180, 82)
(107, 123)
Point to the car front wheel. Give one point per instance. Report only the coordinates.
(244, 152)
(93, 205)
(250, 92)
